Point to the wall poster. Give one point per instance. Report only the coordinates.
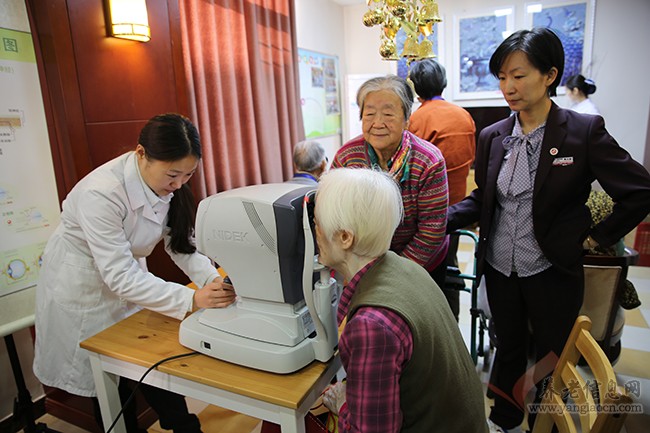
(319, 93)
(29, 205)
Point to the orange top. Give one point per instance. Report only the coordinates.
(451, 129)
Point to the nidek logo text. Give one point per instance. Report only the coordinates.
(233, 236)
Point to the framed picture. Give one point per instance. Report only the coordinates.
(573, 22)
(437, 39)
(476, 37)
(319, 93)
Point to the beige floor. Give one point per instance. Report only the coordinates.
(633, 366)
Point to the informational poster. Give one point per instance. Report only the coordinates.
(319, 93)
(29, 205)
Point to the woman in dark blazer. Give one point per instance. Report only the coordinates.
(534, 172)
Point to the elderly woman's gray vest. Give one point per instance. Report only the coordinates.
(440, 390)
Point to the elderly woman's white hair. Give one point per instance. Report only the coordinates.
(365, 202)
(391, 83)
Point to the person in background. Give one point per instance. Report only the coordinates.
(451, 129)
(94, 271)
(309, 162)
(407, 366)
(417, 166)
(579, 88)
(534, 172)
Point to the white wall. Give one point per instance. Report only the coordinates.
(319, 27)
(619, 56)
(621, 62)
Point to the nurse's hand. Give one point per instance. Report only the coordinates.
(216, 294)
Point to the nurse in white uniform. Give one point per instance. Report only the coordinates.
(579, 88)
(94, 272)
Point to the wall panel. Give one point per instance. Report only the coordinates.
(122, 80)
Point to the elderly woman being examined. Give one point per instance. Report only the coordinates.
(407, 366)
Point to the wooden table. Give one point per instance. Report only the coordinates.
(131, 346)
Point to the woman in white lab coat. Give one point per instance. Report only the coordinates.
(94, 272)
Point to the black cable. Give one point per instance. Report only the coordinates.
(171, 358)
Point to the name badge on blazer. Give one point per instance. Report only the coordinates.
(563, 162)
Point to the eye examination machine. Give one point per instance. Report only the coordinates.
(285, 313)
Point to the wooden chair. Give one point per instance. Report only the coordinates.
(568, 380)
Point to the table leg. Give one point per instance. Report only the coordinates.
(107, 394)
(292, 423)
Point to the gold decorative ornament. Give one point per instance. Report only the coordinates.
(399, 9)
(429, 12)
(391, 28)
(387, 50)
(411, 48)
(415, 17)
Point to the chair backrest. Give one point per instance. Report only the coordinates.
(598, 402)
(600, 300)
(605, 278)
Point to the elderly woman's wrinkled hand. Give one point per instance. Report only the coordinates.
(334, 397)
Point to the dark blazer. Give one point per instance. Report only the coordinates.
(575, 151)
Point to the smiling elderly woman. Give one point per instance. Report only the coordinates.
(408, 369)
(418, 166)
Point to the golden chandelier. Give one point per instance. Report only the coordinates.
(415, 17)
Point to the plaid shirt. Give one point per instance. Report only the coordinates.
(421, 236)
(375, 345)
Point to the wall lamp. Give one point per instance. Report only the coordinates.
(127, 19)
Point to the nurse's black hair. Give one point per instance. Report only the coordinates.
(585, 85)
(172, 137)
(542, 47)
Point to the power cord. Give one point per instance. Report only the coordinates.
(162, 361)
